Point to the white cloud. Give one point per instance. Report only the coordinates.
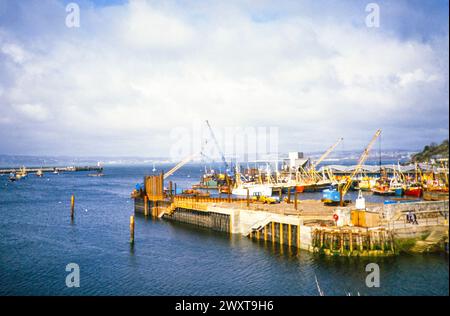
(146, 28)
(132, 72)
(416, 76)
(33, 112)
(15, 52)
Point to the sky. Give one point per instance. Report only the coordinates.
(134, 72)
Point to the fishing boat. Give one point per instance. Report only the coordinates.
(242, 188)
(253, 189)
(397, 187)
(196, 193)
(211, 180)
(318, 186)
(414, 191)
(366, 184)
(382, 189)
(299, 188)
(22, 173)
(435, 195)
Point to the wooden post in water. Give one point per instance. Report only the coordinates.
(132, 229)
(146, 205)
(295, 202)
(273, 232)
(391, 241)
(248, 197)
(289, 235)
(289, 195)
(281, 233)
(332, 241)
(72, 206)
(350, 236)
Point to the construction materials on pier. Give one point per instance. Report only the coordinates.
(377, 230)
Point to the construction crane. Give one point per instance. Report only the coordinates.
(312, 170)
(217, 145)
(326, 153)
(179, 165)
(184, 161)
(333, 196)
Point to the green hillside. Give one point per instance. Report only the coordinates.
(431, 151)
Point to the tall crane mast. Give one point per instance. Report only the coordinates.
(217, 145)
(326, 153)
(333, 196)
(184, 161)
(361, 161)
(179, 165)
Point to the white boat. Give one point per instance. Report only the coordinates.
(257, 189)
(22, 173)
(39, 173)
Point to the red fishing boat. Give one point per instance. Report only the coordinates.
(415, 191)
(299, 188)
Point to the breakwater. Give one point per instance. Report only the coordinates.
(51, 169)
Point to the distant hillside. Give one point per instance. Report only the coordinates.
(431, 151)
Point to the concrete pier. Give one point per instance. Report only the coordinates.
(379, 230)
(315, 233)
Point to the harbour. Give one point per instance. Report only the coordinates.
(377, 230)
(171, 257)
(333, 225)
(224, 156)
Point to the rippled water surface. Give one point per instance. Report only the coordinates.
(38, 240)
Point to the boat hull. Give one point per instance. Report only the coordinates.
(435, 195)
(253, 190)
(316, 187)
(415, 192)
(382, 192)
(299, 188)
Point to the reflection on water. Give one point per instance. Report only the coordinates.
(38, 240)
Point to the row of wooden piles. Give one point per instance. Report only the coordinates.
(350, 242)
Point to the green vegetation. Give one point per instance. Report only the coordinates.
(404, 244)
(431, 151)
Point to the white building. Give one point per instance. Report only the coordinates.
(295, 161)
